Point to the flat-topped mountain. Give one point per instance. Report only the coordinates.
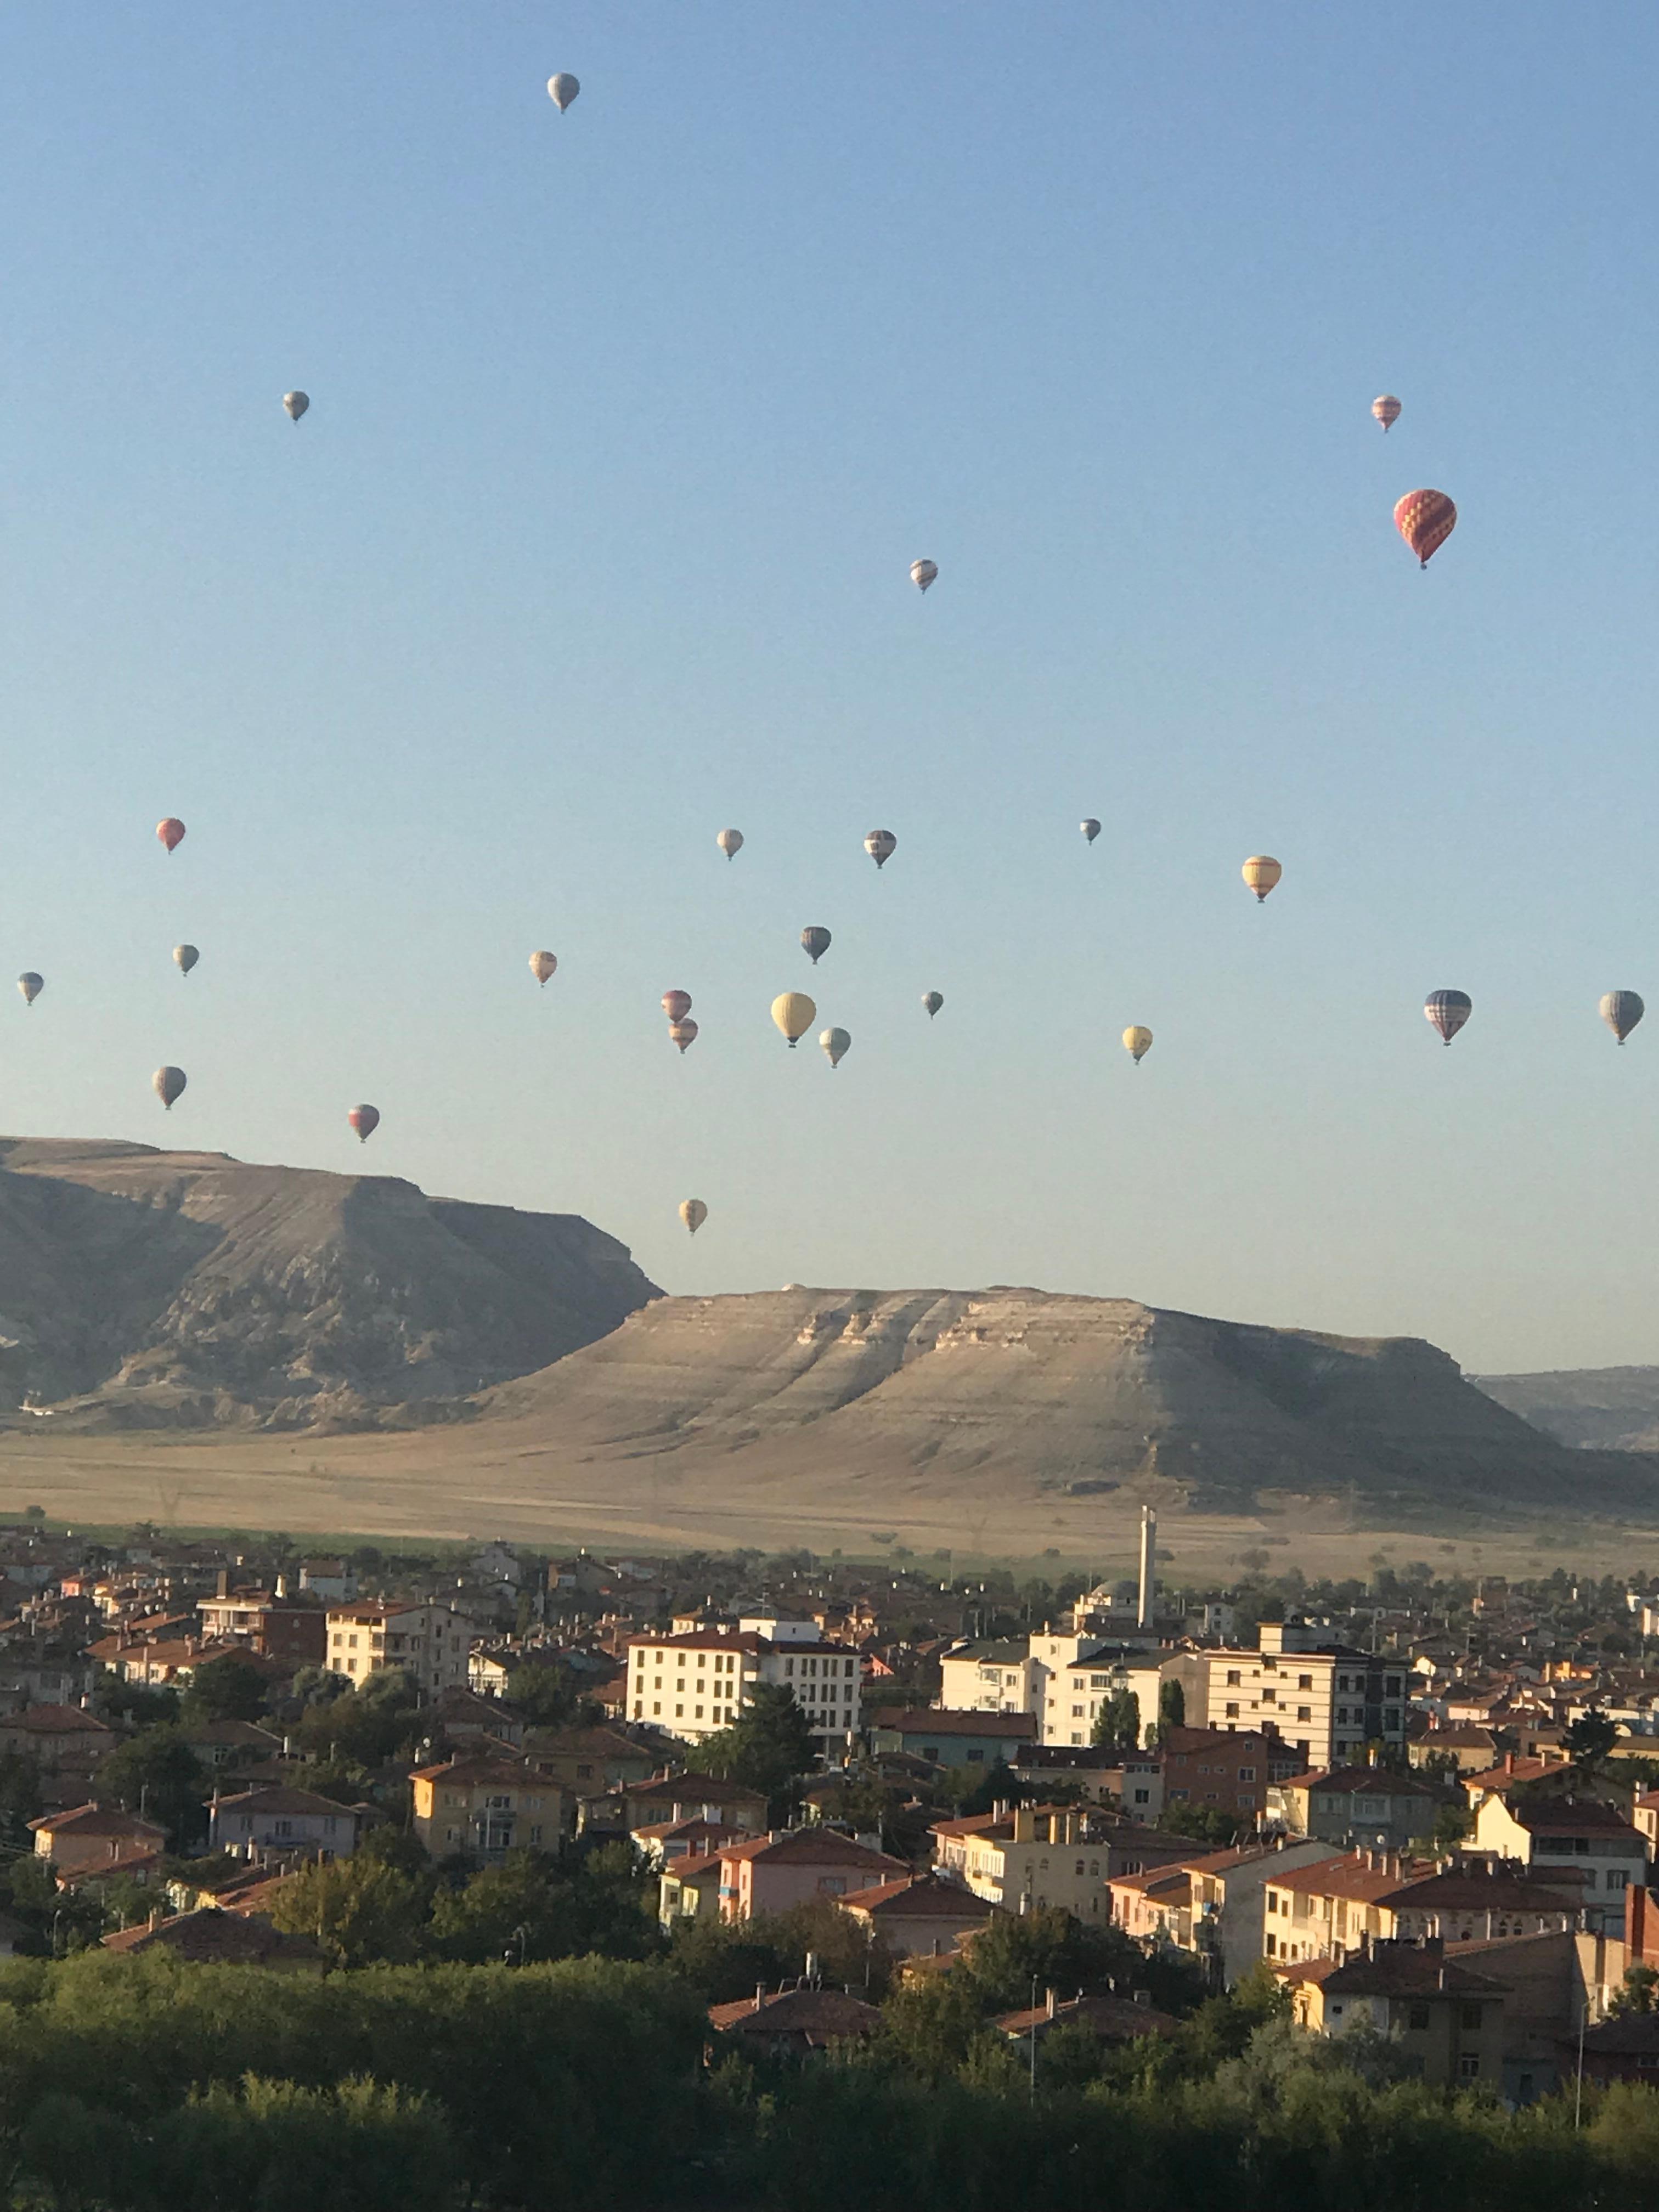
(1025, 1390)
(189, 1288)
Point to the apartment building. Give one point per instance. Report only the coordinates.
(1063, 1679)
(1328, 1701)
(1334, 1909)
(1225, 1769)
(429, 1642)
(1550, 1835)
(693, 1685)
(1028, 1855)
(989, 1678)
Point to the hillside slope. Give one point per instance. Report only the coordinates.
(1604, 1408)
(188, 1288)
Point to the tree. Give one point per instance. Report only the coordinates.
(1171, 1706)
(1452, 1823)
(1207, 1824)
(227, 1688)
(157, 1776)
(1639, 1991)
(769, 1746)
(359, 1912)
(1589, 1740)
(1118, 1720)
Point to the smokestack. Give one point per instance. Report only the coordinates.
(1148, 1565)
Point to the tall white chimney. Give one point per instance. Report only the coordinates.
(1148, 1566)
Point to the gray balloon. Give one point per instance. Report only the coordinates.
(168, 1083)
(815, 943)
(932, 1000)
(296, 403)
(185, 958)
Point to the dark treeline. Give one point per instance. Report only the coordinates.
(148, 2085)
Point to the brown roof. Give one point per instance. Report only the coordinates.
(474, 1768)
(812, 2017)
(691, 1790)
(222, 1938)
(812, 1847)
(96, 1821)
(1404, 1970)
(276, 1799)
(1118, 2020)
(1571, 1816)
(918, 1896)
(54, 1720)
(1361, 1780)
(953, 1720)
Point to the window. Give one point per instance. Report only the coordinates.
(1617, 1878)
(1305, 1681)
(1247, 1774)
(1077, 1712)
(1232, 1678)
(1143, 1797)
(1079, 1866)
(1303, 1713)
(1232, 1712)
(1471, 2019)
(1468, 2066)
(1416, 2019)
(656, 1708)
(1336, 2012)
(1272, 1901)
(833, 1885)
(1272, 1945)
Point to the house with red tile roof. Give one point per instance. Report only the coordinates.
(94, 1838)
(920, 1913)
(791, 1866)
(800, 2023)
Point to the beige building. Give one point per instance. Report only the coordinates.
(429, 1642)
(1576, 1836)
(1328, 1701)
(990, 1678)
(1031, 1855)
(693, 1686)
(482, 1807)
(1333, 1909)
(1444, 2016)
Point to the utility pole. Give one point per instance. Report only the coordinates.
(1034, 2030)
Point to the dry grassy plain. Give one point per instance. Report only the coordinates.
(499, 1477)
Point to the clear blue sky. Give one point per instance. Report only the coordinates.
(626, 427)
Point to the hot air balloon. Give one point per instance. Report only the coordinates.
(1137, 1042)
(563, 90)
(881, 845)
(1425, 520)
(1620, 1010)
(677, 1005)
(922, 574)
(729, 843)
(1386, 409)
(795, 1014)
(1261, 873)
(932, 1000)
(168, 1083)
(365, 1120)
(185, 958)
(815, 943)
(541, 965)
(32, 985)
(296, 403)
(683, 1033)
(171, 831)
(1090, 828)
(693, 1213)
(1448, 1011)
(834, 1044)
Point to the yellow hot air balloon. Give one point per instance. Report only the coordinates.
(1137, 1042)
(1261, 873)
(795, 1014)
(693, 1213)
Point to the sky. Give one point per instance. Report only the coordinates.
(626, 426)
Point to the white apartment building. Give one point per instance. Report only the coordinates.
(1063, 1680)
(989, 1678)
(1328, 1701)
(429, 1642)
(693, 1685)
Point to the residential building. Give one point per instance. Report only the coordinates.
(1133, 1780)
(1552, 1982)
(690, 1889)
(428, 1641)
(1625, 2050)
(791, 1866)
(797, 2023)
(1547, 1833)
(1335, 1907)
(461, 1715)
(333, 1581)
(482, 1805)
(211, 1937)
(585, 1761)
(1075, 1689)
(668, 1797)
(1446, 2018)
(224, 1745)
(1224, 1770)
(57, 1737)
(269, 1622)
(1030, 1855)
(989, 1678)
(946, 1738)
(1464, 1744)
(916, 1915)
(692, 1686)
(1370, 1806)
(1329, 1701)
(89, 1837)
(277, 1820)
(1228, 1900)
(1110, 2019)
(1644, 1819)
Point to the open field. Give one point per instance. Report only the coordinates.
(498, 1479)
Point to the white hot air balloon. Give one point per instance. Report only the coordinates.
(185, 958)
(923, 573)
(563, 90)
(729, 843)
(296, 403)
(32, 985)
(834, 1044)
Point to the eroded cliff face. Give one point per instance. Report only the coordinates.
(1033, 1389)
(187, 1288)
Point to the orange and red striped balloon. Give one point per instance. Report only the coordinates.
(1425, 520)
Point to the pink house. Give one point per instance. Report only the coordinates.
(769, 1874)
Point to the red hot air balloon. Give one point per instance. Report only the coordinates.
(365, 1120)
(677, 1005)
(1425, 520)
(171, 832)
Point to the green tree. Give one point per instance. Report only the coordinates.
(1589, 1739)
(227, 1688)
(157, 1776)
(1452, 1823)
(769, 1746)
(359, 1912)
(1118, 1721)
(20, 1801)
(1206, 1824)
(1638, 1992)
(1171, 1706)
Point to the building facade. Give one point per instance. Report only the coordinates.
(1329, 1702)
(691, 1687)
(429, 1642)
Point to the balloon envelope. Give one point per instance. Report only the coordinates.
(834, 1044)
(677, 1005)
(1448, 1011)
(1386, 408)
(1137, 1042)
(729, 843)
(932, 1000)
(881, 845)
(541, 965)
(1090, 828)
(795, 1014)
(185, 958)
(1261, 871)
(1425, 520)
(814, 942)
(562, 90)
(922, 574)
(1620, 1010)
(693, 1213)
(683, 1033)
(171, 830)
(32, 985)
(365, 1120)
(168, 1083)
(296, 403)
